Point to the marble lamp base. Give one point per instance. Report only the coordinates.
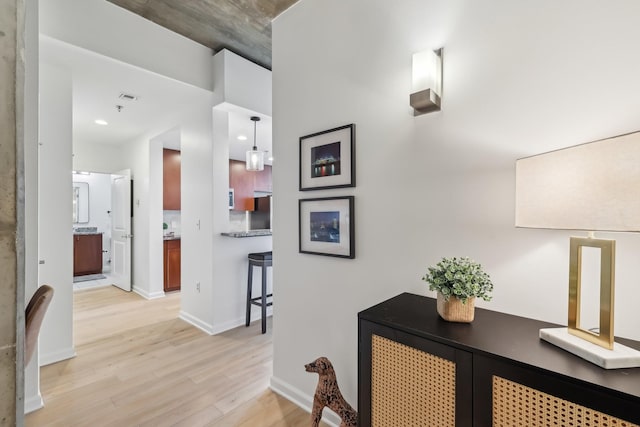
(620, 357)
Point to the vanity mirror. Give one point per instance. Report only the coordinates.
(80, 202)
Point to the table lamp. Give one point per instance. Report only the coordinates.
(591, 187)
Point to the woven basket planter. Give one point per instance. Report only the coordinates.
(454, 310)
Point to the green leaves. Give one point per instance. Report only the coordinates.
(461, 277)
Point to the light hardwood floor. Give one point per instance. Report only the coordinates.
(137, 364)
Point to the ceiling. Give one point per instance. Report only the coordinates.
(241, 26)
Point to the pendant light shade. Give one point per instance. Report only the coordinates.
(255, 158)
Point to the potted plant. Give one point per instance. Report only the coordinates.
(458, 282)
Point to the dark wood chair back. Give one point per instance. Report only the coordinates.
(36, 309)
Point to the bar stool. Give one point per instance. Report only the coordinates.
(262, 260)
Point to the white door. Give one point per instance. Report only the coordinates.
(121, 229)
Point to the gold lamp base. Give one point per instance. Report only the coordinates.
(598, 348)
(604, 336)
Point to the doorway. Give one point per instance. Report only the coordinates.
(101, 206)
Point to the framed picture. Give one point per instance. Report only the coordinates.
(327, 226)
(328, 159)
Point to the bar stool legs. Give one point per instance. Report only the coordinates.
(263, 302)
(249, 289)
(262, 260)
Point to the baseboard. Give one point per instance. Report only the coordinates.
(148, 295)
(56, 356)
(232, 324)
(303, 400)
(213, 329)
(192, 320)
(228, 325)
(33, 404)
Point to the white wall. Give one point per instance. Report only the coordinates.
(196, 202)
(146, 278)
(32, 397)
(230, 254)
(95, 157)
(241, 83)
(216, 262)
(519, 79)
(109, 30)
(214, 267)
(55, 217)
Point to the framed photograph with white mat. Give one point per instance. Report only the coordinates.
(327, 159)
(326, 226)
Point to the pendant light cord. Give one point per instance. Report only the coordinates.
(255, 120)
(255, 147)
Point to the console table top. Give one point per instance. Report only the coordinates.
(501, 335)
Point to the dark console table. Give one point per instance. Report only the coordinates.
(416, 369)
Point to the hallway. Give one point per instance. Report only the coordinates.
(138, 364)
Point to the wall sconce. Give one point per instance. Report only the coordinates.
(591, 187)
(426, 90)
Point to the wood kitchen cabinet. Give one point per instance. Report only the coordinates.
(417, 369)
(245, 182)
(87, 254)
(171, 180)
(172, 265)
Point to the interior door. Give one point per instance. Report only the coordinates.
(121, 229)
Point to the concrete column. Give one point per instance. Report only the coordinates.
(10, 361)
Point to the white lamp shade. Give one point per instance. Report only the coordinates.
(255, 160)
(426, 72)
(593, 186)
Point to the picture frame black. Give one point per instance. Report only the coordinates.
(328, 159)
(326, 226)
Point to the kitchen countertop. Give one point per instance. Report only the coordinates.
(252, 233)
(174, 237)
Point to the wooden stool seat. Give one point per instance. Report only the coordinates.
(262, 260)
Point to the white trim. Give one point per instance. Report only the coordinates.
(301, 399)
(33, 403)
(203, 326)
(148, 295)
(232, 324)
(57, 356)
(228, 325)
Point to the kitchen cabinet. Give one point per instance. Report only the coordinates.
(171, 180)
(172, 265)
(244, 183)
(87, 254)
(417, 369)
(262, 180)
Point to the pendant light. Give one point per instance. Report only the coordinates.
(255, 158)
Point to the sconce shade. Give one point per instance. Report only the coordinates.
(426, 88)
(254, 158)
(593, 187)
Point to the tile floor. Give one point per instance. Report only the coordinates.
(107, 281)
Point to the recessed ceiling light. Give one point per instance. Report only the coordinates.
(101, 122)
(242, 137)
